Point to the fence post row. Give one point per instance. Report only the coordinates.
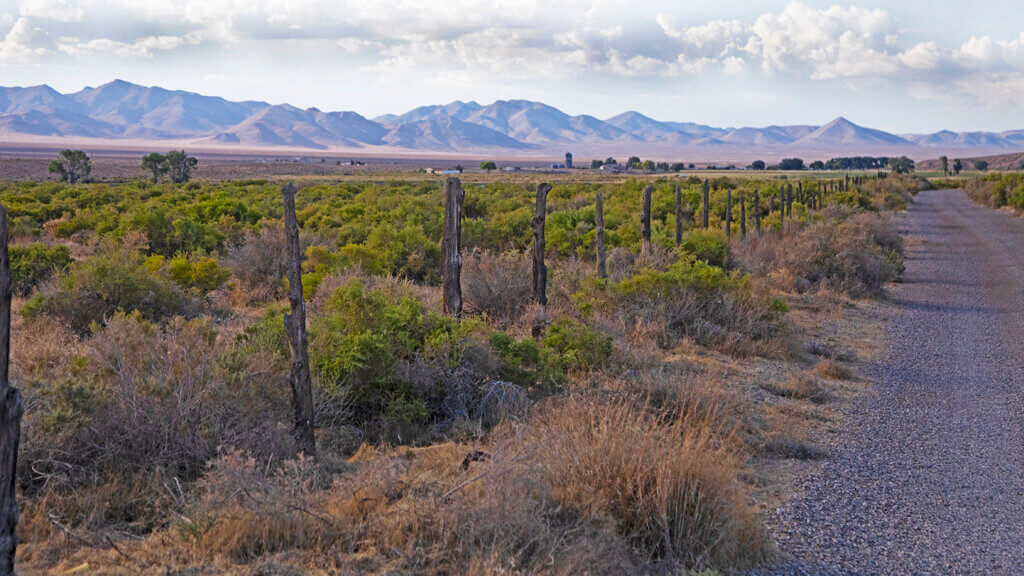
(602, 271)
(295, 327)
(10, 415)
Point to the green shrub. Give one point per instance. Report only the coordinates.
(114, 279)
(34, 263)
(579, 346)
(199, 274)
(707, 245)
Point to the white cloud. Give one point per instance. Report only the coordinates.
(17, 46)
(143, 47)
(61, 10)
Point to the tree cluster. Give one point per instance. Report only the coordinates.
(175, 163)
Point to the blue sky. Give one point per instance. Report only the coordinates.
(899, 65)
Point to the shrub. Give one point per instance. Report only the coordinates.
(258, 264)
(707, 245)
(668, 486)
(498, 286)
(692, 299)
(33, 263)
(113, 279)
(579, 346)
(199, 274)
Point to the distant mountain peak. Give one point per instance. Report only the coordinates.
(122, 109)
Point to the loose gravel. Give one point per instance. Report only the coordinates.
(929, 476)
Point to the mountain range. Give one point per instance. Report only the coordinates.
(121, 110)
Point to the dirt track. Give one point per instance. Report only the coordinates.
(929, 476)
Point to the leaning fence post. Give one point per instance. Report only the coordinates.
(295, 327)
(645, 221)
(707, 199)
(540, 271)
(451, 248)
(757, 213)
(10, 415)
(679, 215)
(602, 271)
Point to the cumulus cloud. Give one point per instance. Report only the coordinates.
(18, 47)
(542, 39)
(60, 10)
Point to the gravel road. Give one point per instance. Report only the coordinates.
(929, 475)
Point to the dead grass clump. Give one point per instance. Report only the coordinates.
(832, 369)
(257, 263)
(802, 386)
(497, 285)
(667, 484)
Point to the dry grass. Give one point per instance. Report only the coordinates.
(802, 386)
(832, 369)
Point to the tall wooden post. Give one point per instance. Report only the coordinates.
(789, 200)
(782, 205)
(728, 213)
(602, 271)
(645, 221)
(679, 215)
(540, 271)
(10, 415)
(295, 328)
(743, 216)
(771, 205)
(757, 213)
(451, 248)
(707, 199)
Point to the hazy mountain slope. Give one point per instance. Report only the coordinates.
(121, 109)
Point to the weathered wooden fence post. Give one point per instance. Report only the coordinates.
(771, 205)
(679, 215)
(451, 248)
(645, 221)
(743, 216)
(540, 271)
(707, 199)
(602, 271)
(295, 328)
(757, 213)
(10, 415)
(728, 213)
(789, 200)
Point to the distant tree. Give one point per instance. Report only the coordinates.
(488, 165)
(155, 164)
(649, 165)
(757, 165)
(610, 160)
(944, 161)
(180, 165)
(662, 166)
(957, 166)
(596, 163)
(791, 164)
(692, 166)
(901, 165)
(633, 162)
(817, 165)
(73, 166)
(678, 167)
(981, 165)
(458, 168)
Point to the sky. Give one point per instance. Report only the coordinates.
(900, 65)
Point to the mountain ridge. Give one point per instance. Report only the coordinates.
(123, 110)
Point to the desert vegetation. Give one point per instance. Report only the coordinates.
(525, 437)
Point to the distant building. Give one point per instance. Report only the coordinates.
(568, 160)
